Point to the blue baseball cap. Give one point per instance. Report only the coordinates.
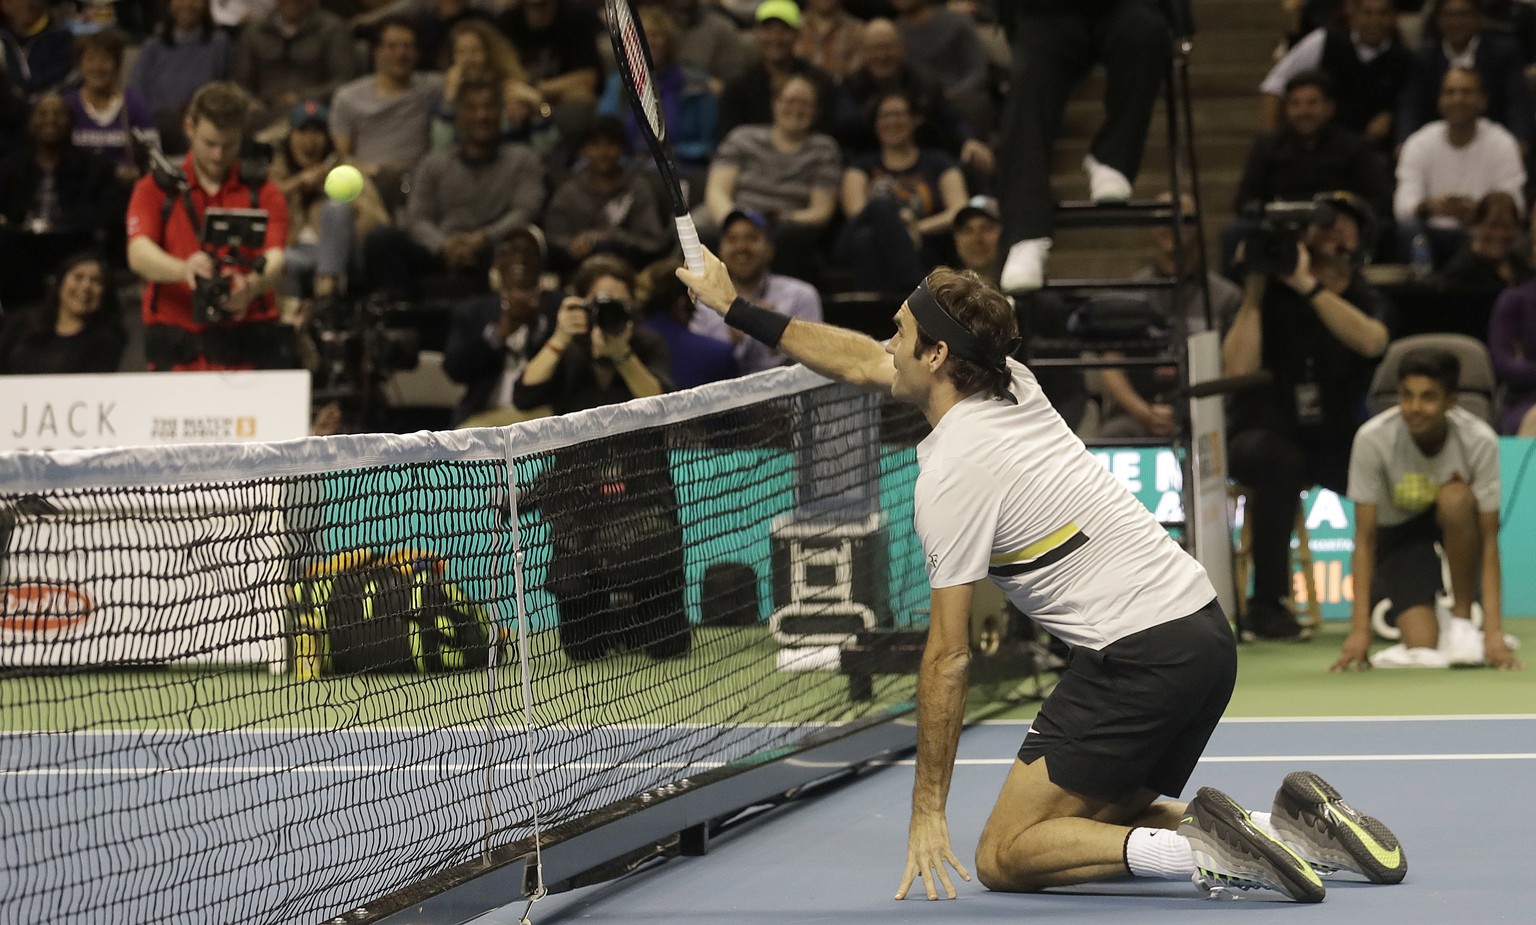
(308, 112)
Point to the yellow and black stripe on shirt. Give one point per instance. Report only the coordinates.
(1048, 550)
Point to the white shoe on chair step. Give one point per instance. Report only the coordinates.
(1105, 183)
(1025, 266)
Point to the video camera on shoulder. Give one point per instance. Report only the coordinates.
(225, 233)
(608, 314)
(1273, 247)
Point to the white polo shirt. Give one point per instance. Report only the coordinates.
(1008, 492)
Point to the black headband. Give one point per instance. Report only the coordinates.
(941, 325)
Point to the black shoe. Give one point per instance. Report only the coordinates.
(1267, 619)
(1332, 835)
(1232, 852)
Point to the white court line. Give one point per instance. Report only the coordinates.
(1292, 759)
(700, 765)
(1245, 720)
(402, 730)
(425, 730)
(349, 769)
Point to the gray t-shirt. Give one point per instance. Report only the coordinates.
(395, 131)
(774, 181)
(1387, 468)
(450, 194)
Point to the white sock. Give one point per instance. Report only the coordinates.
(1161, 853)
(1262, 821)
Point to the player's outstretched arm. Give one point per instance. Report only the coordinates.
(941, 683)
(834, 352)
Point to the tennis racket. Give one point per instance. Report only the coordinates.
(635, 69)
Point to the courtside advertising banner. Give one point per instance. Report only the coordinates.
(93, 580)
(153, 409)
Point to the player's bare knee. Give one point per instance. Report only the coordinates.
(1455, 504)
(1000, 878)
(1003, 867)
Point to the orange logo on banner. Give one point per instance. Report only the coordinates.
(39, 608)
(245, 427)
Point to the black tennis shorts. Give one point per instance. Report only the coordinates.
(1139, 712)
(1407, 566)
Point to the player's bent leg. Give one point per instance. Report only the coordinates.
(1042, 835)
(1456, 513)
(1419, 627)
(1330, 834)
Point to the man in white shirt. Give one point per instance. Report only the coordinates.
(1423, 473)
(1006, 492)
(1448, 165)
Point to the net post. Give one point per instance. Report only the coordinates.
(534, 879)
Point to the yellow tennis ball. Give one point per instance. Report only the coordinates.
(344, 183)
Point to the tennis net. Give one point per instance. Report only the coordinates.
(331, 679)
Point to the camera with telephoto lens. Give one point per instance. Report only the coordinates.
(608, 314)
(1273, 247)
(361, 343)
(225, 232)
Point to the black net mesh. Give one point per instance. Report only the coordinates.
(279, 698)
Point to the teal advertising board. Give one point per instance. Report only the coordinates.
(1153, 476)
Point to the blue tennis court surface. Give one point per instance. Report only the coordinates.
(1456, 790)
(238, 818)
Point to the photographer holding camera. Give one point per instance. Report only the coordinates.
(209, 304)
(1312, 322)
(596, 355)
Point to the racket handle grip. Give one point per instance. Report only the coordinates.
(688, 236)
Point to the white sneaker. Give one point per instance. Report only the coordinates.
(1105, 183)
(1400, 656)
(1025, 266)
(1461, 643)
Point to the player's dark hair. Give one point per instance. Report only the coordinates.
(1439, 365)
(598, 266)
(984, 311)
(1312, 77)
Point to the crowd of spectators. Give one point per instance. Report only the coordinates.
(824, 146)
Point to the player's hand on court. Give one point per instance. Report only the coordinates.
(928, 850)
(713, 287)
(1497, 653)
(1355, 653)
